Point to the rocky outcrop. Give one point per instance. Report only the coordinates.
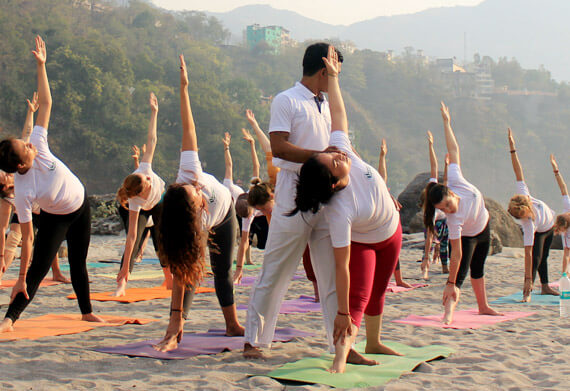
(105, 219)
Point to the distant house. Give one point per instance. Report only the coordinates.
(273, 37)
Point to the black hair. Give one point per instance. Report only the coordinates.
(259, 193)
(313, 58)
(9, 159)
(314, 186)
(434, 194)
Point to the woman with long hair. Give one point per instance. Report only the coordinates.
(364, 226)
(537, 222)
(142, 191)
(196, 208)
(562, 221)
(44, 179)
(468, 224)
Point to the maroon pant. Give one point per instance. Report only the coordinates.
(308, 266)
(371, 266)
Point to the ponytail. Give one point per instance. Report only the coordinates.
(132, 186)
(433, 194)
(520, 206)
(260, 192)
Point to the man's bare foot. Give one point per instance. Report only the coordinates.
(121, 289)
(235, 331)
(489, 311)
(92, 318)
(548, 290)
(404, 284)
(61, 278)
(358, 359)
(376, 347)
(6, 326)
(444, 269)
(252, 352)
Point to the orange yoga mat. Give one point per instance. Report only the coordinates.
(138, 294)
(63, 324)
(45, 282)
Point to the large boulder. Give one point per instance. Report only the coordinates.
(503, 224)
(105, 218)
(410, 200)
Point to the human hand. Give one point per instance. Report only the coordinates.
(153, 102)
(383, 148)
(173, 335)
(331, 62)
(20, 287)
(342, 328)
(396, 203)
(40, 53)
(33, 105)
(445, 113)
(123, 273)
(451, 292)
(511, 139)
(527, 287)
(238, 274)
(430, 137)
(226, 140)
(136, 152)
(332, 148)
(247, 136)
(183, 72)
(250, 117)
(553, 162)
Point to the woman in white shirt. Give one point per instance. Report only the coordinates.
(364, 226)
(468, 225)
(562, 221)
(196, 206)
(143, 191)
(537, 222)
(44, 179)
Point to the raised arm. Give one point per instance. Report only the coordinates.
(189, 140)
(338, 111)
(445, 169)
(261, 136)
(382, 170)
(450, 141)
(558, 176)
(29, 124)
(151, 138)
(44, 94)
(226, 140)
(517, 168)
(254, 160)
(432, 157)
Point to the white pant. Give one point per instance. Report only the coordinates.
(287, 239)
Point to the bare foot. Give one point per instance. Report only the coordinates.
(61, 278)
(425, 270)
(526, 298)
(248, 262)
(376, 347)
(404, 284)
(6, 326)
(489, 311)
(547, 290)
(138, 259)
(121, 288)
(356, 358)
(252, 352)
(92, 318)
(235, 331)
(444, 269)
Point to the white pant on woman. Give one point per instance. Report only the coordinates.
(288, 237)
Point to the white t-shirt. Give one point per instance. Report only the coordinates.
(363, 211)
(543, 217)
(217, 196)
(471, 217)
(157, 188)
(566, 237)
(439, 214)
(236, 191)
(296, 112)
(49, 183)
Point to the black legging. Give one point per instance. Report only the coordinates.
(141, 230)
(76, 229)
(540, 251)
(221, 241)
(474, 253)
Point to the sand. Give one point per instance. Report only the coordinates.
(530, 353)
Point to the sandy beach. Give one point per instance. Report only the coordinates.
(529, 353)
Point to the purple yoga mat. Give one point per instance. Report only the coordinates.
(194, 344)
(301, 305)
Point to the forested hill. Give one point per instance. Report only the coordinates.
(103, 62)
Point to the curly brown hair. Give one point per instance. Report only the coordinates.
(181, 236)
(132, 186)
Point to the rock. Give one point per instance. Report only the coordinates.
(410, 200)
(503, 224)
(105, 219)
(496, 246)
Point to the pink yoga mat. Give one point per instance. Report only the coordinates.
(392, 287)
(466, 319)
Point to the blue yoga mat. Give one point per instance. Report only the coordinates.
(536, 299)
(90, 265)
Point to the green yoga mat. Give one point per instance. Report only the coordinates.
(249, 267)
(136, 275)
(314, 370)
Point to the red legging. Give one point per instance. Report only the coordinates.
(371, 266)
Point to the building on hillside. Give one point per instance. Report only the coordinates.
(272, 37)
(471, 81)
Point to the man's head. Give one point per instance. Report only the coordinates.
(314, 66)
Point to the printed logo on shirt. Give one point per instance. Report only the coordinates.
(212, 198)
(368, 174)
(52, 166)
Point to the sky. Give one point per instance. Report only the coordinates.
(332, 11)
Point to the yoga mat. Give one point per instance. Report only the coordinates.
(194, 344)
(392, 287)
(250, 267)
(136, 275)
(466, 319)
(314, 370)
(44, 283)
(301, 305)
(90, 265)
(138, 294)
(536, 299)
(63, 324)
